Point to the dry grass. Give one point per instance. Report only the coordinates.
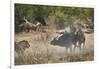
(41, 51)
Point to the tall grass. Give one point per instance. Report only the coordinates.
(40, 51)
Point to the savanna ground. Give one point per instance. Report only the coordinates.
(41, 51)
(57, 17)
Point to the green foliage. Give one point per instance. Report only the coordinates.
(63, 14)
(29, 10)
